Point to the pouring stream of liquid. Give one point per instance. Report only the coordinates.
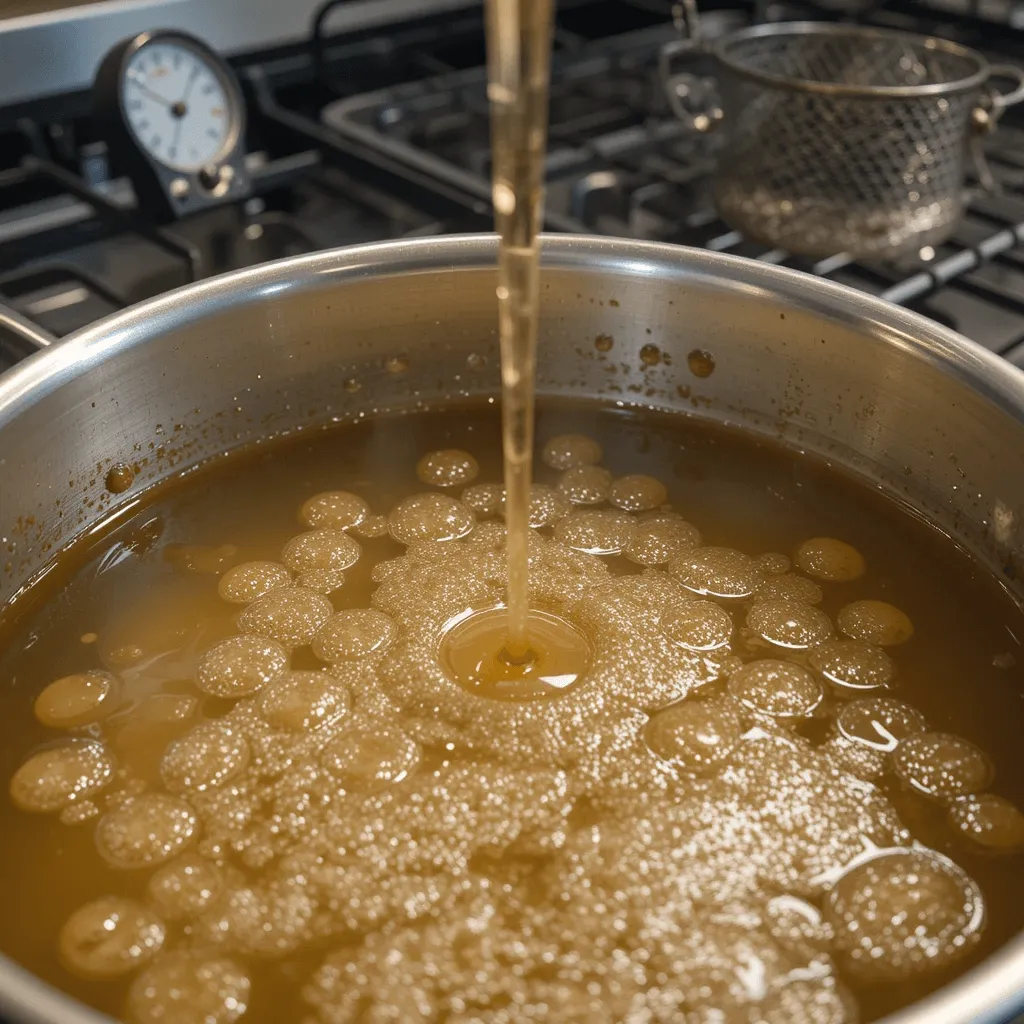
(519, 62)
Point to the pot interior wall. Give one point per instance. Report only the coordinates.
(297, 345)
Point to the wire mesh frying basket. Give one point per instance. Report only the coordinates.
(845, 139)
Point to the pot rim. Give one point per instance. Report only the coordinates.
(987, 994)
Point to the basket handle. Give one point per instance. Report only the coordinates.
(1001, 100)
(693, 98)
(985, 119)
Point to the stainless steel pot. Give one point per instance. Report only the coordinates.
(295, 345)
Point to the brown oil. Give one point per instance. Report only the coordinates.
(142, 603)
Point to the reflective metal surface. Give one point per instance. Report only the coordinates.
(935, 420)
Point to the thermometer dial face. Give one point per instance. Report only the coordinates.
(178, 106)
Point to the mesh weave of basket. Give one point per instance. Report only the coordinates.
(843, 139)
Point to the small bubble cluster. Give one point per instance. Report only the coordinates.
(586, 485)
(110, 937)
(570, 450)
(240, 665)
(880, 723)
(875, 622)
(146, 830)
(718, 572)
(184, 988)
(942, 766)
(53, 778)
(450, 467)
(436, 517)
(290, 615)
(334, 510)
(779, 689)
(990, 821)
(830, 559)
(904, 912)
(696, 734)
(787, 623)
(300, 701)
(354, 634)
(853, 664)
(597, 532)
(638, 493)
(320, 550)
(659, 538)
(698, 625)
(250, 580)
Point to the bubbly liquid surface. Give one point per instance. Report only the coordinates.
(261, 791)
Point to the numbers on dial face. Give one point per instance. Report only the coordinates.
(177, 106)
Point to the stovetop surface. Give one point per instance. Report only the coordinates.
(384, 134)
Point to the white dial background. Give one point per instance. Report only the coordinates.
(176, 105)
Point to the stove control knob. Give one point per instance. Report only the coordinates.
(215, 179)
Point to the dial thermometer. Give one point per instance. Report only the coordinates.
(176, 119)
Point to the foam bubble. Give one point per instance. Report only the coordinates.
(240, 666)
(146, 830)
(547, 506)
(366, 758)
(698, 626)
(569, 450)
(585, 485)
(301, 701)
(54, 778)
(78, 699)
(941, 765)
(596, 533)
(786, 586)
(991, 821)
(250, 580)
(879, 722)
(659, 538)
(904, 913)
(186, 887)
(806, 1001)
(267, 921)
(188, 988)
(485, 499)
(638, 493)
(449, 467)
(875, 622)
(718, 572)
(830, 559)
(290, 615)
(436, 517)
(696, 735)
(321, 549)
(853, 664)
(774, 564)
(372, 527)
(789, 623)
(354, 634)
(323, 581)
(776, 688)
(855, 758)
(334, 510)
(209, 755)
(109, 937)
